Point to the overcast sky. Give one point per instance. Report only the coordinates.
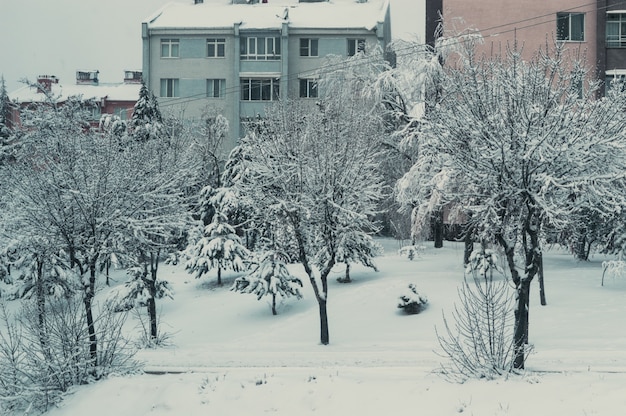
(57, 37)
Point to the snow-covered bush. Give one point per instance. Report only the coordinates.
(42, 355)
(411, 302)
(269, 276)
(479, 343)
(412, 252)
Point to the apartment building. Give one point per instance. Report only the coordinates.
(237, 56)
(594, 30)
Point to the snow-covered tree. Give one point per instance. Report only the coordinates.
(5, 112)
(219, 247)
(313, 170)
(357, 247)
(147, 121)
(269, 277)
(511, 144)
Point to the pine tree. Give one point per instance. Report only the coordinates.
(270, 277)
(147, 121)
(5, 111)
(219, 247)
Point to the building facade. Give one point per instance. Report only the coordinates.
(594, 31)
(234, 57)
(101, 99)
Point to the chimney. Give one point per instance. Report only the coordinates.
(44, 83)
(87, 77)
(132, 77)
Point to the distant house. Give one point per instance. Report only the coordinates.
(102, 98)
(239, 55)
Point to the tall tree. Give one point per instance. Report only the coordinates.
(512, 145)
(313, 170)
(147, 120)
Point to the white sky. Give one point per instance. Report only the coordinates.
(57, 37)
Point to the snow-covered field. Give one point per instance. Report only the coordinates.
(231, 356)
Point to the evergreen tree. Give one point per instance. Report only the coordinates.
(147, 121)
(270, 277)
(219, 247)
(6, 125)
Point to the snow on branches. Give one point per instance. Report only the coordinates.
(269, 276)
(219, 247)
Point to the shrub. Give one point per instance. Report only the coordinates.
(43, 355)
(412, 302)
(479, 342)
(412, 252)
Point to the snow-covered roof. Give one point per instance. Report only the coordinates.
(344, 14)
(112, 92)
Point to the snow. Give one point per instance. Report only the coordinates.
(335, 14)
(230, 356)
(110, 91)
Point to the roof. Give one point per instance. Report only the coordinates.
(112, 92)
(343, 14)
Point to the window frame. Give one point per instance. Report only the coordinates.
(568, 37)
(249, 47)
(259, 89)
(210, 87)
(169, 44)
(308, 88)
(619, 40)
(309, 47)
(356, 45)
(218, 45)
(171, 87)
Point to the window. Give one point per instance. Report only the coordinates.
(169, 87)
(570, 26)
(215, 48)
(215, 88)
(308, 88)
(260, 48)
(260, 89)
(308, 47)
(616, 30)
(169, 48)
(355, 46)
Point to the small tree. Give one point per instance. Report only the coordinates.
(269, 276)
(480, 342)
(357, 247)
(219, 247)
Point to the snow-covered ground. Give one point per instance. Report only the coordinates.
(231, 356)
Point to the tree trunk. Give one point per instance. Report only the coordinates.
(91, 329)
(468, 245)
(274, 304)
(581, 248)
(542, 289)
(154, 264)
(438, 228)
(520, 336)
(219, 276)
(324, 336)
